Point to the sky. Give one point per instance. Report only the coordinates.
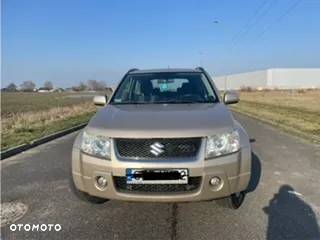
(68, 41)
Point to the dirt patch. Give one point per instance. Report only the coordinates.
(12, 212)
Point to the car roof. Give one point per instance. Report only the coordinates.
(164, 70)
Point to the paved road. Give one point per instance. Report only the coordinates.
(284, 205)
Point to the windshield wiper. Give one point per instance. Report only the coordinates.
(162, 102)
(180, 102)
(127, 103)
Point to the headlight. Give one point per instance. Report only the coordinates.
(96, 145)
(222, 144)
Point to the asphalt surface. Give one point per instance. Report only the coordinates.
(284, 202)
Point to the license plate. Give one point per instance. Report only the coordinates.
(157, 176)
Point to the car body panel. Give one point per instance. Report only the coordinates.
(161, 120)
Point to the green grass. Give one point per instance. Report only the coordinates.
(28, 134)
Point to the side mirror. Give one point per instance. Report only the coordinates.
(100, 100)
(230, 97)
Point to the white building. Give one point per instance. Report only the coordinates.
(280, 78)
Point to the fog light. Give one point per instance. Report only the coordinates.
(102, 182)
(215, 181)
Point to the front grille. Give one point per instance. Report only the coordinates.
(122, 186)
(164, 148)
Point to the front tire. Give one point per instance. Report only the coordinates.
(232, 202)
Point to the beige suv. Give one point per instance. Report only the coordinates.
(164, 136)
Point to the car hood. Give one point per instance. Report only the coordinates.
(161, 120)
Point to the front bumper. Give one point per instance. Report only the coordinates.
(234, 170)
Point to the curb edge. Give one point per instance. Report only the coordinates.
(21, 148)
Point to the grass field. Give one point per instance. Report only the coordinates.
(12, 103)
(297, 112)
(29, 116)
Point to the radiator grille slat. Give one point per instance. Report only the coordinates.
(158, 148)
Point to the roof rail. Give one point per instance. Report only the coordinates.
(132, 70)
(201, 69)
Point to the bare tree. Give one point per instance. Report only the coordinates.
(28, 86)
(48, 85)
(80, 87)
(96, 85)
(11, 88)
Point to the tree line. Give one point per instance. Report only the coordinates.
(30, 86)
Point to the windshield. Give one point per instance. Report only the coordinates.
(156, 88)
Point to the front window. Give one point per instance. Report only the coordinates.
(153, 88)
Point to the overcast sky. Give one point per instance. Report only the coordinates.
(68, 41)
